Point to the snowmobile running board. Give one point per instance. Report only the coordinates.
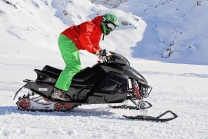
(153, 119)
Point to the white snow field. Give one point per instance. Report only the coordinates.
(181, 88)
(28, 40)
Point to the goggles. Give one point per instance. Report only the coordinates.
(111, 26)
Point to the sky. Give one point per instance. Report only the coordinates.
(28, 35)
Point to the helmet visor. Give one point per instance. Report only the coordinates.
(111, 26)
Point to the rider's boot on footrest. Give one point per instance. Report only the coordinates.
(59, 95)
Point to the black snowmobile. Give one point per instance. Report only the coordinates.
(112, 80)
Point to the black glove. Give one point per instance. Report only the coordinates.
(102, 53)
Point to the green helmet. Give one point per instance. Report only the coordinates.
(109, 23)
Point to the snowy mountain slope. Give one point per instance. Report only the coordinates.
(40, 22)
(178, 26)
(30, 22)
(150, 29)
(175, 29)
(111, 3)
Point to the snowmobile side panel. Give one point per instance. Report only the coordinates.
(112, 88)
(79, 91)
(82, 82)
(96, 100)
(125, 70)
(41, 88)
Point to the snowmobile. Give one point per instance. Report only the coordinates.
(110, 81)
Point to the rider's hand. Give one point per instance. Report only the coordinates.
(97, 52)
(102, 52)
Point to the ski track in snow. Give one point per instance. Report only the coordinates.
(100, 121)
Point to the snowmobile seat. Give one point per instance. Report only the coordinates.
(82, 76)
(52, 70)
(44, 76)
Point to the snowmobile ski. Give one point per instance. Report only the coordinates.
(155, 119)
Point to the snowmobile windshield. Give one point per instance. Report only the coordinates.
(117, 58)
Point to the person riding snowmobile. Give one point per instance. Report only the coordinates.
(85, 36)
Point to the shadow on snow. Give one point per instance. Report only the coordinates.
(83, 112)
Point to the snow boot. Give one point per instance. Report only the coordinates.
(59, 95)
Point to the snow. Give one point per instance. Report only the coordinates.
(28, 39)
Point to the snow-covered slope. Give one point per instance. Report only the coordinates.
(150, 29)
(29, 22)
(174, 28)
(40, 22)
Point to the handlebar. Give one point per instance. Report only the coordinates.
(106, 55)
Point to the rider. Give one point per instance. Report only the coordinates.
(85, 36)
